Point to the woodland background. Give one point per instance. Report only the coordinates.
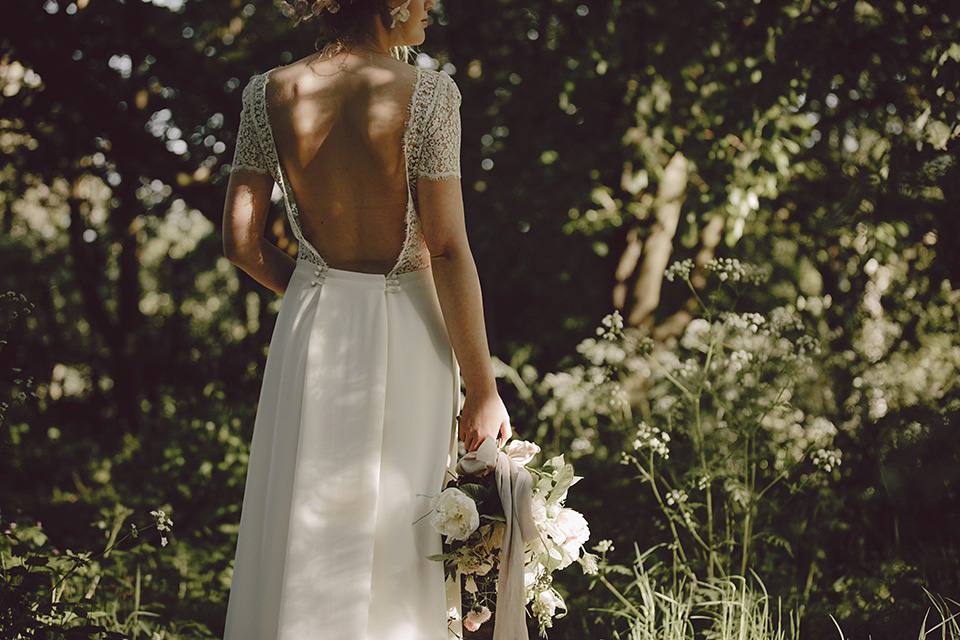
(814, 139)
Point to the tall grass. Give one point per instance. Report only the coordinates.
(729, 608)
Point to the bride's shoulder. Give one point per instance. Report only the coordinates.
(441, 82)
(251, 88)
(444, 87)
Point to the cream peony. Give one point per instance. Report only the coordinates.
(574, 526)
(570, 531)
(456, 514)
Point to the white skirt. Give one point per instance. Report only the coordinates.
(355, 430)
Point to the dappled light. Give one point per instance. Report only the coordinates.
(720, 256)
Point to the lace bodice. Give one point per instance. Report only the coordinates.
(431, 148)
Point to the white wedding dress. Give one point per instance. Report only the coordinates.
(356, 423)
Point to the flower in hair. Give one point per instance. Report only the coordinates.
(304, 10)
(401, 13)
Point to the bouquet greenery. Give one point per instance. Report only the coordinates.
(480, 532)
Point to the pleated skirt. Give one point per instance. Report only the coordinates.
(355, 430)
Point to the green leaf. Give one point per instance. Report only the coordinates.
(564, 481)
(476, 492)
(492, 516)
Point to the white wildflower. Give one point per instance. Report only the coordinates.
(164, 524)
(676, 497)
(827, 459)
(695, 334)
(682, 268)
(652, 438)
(603, 546)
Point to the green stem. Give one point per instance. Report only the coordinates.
(619, 596)
(693, 290)
(746, 544)
(656, 492)
(671, 378)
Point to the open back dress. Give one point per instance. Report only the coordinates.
(356, 423)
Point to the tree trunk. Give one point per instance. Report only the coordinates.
(710, 237)
(656, 249)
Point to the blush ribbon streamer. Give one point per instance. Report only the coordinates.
(515, 486)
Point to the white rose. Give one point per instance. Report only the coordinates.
(456, 514)
(521, 451)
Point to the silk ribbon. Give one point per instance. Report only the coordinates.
(515, 486)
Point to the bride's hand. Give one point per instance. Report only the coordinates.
(483, 417)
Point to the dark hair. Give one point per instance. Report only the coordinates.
(348, 26)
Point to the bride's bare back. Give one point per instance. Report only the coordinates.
(331, 134)
(338, 125)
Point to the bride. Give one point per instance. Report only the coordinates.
(360, 406)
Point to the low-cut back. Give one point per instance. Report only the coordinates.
(372, 180)
(431, 147)
(356, 422)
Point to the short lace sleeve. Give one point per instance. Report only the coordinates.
(440, 154)
(249, 153)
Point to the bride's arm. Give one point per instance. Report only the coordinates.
(458, 289)
(244, 219)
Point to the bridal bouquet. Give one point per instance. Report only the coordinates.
(506, 531)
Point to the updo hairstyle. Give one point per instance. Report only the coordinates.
(338, 31)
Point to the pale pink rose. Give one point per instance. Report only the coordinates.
(521, 451)
(476, 618)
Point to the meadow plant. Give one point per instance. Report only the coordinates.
(12, 306)
(722, 609)
(713, 423)
(729, 608)
(46, 593)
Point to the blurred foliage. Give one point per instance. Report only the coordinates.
(602, 141)
(49, 593)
